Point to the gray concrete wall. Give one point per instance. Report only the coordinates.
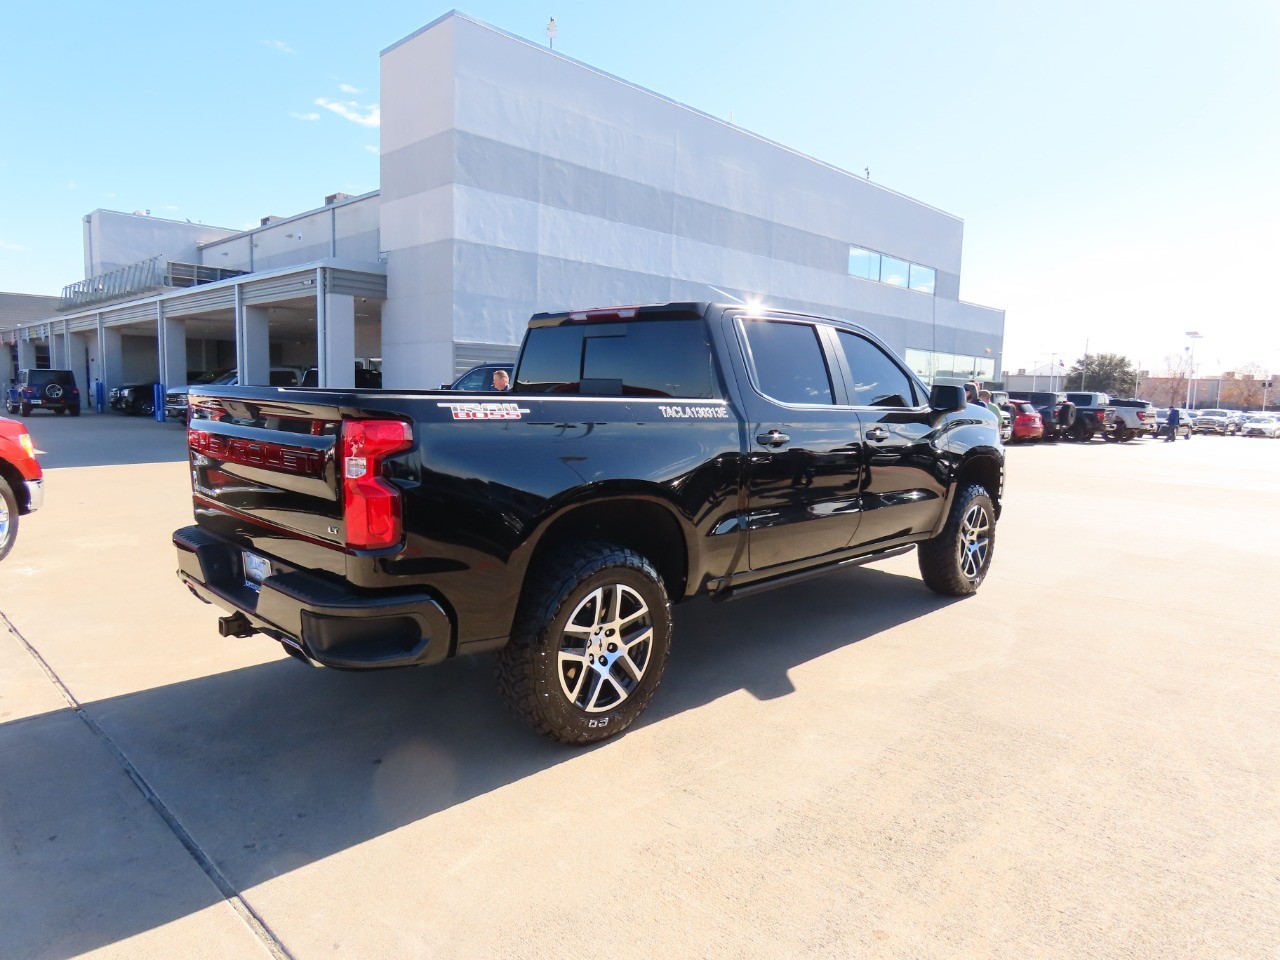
(113, 240)
(346, 230)
(515, 180)
(139, 362)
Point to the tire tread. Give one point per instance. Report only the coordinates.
(937, 557)
(545, 594)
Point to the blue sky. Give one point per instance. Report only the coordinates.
(1115, 163)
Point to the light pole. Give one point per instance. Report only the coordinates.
(1193, 336)
(1053, 371)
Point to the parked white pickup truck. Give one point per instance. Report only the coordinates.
(1132, 418)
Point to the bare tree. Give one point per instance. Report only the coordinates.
(1243, 389)
(1171, 389)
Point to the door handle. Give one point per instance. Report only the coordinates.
(877, 434)
(774, 438)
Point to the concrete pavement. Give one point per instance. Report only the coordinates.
(1080, 761)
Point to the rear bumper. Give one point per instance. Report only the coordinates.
(329, 622)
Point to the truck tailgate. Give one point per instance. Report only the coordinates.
(271, 461)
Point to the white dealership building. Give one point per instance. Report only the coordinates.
(513, 180)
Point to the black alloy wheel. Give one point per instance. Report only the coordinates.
(590, 643)
(956, 561)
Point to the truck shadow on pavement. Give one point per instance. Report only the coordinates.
(275, 767)
(94, 440)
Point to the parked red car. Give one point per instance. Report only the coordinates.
(1027, 423)
(21, 482)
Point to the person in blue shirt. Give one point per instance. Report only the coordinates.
(1175, 419)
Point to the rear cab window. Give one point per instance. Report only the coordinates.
(630, 358)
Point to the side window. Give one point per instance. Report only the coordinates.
(474, 381)
(877, 380)
(788, 361)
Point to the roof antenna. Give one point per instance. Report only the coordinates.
(551, 33)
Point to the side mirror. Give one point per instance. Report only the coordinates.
(946, 398)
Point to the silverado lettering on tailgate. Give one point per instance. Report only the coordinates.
(258, 453)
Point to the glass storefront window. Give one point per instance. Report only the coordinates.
(929, 366)
(893, 271)
(864, 264)
(922, 278)
(869, 265)
(923, 363)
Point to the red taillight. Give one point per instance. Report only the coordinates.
(370, 505)
(1141, 415)
(603, 315)
(1100, 414)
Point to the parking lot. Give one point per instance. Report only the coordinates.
(1082, 760)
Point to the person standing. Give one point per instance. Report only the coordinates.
(1174, 421)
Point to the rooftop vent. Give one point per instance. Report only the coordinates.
(266, 220)
(335, 198)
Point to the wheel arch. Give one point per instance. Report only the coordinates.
(634, 519)
(985, 468)
(17, 484)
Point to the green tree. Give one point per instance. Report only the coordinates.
(1103, 373)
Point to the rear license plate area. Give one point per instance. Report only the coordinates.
(256, 569)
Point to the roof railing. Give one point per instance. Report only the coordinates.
(136, 279)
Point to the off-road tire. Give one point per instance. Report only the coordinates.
(25, 409)
(539, 662)
(8, 518)
(74, 411)
(956, 561)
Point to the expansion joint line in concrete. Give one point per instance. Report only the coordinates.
(229, 893)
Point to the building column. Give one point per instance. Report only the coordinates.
(253, 343)
(26, 354)
(173, 356)
(335, 338)
(58, 348)
(78, 363)
(110, 367)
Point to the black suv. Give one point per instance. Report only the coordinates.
(135, 399)
(43, 390)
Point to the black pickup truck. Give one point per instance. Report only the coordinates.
(644, 456)
(1093, 413)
